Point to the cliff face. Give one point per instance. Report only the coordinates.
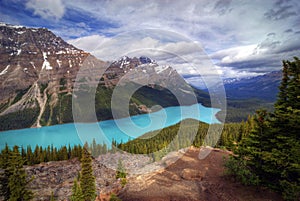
(38, 71)
(31, 55)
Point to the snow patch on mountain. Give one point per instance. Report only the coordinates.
(60, 52)
(185, 91)
(2, 24)
(32, 63)
(59, 63)
(5, 70)
(160, 69)
(70, 64)
(46, 63)
(19, 52)
(21, 32)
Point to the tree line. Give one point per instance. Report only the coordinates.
(186, 133)
(51, 153)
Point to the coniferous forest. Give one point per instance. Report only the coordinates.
(270, 154)
(266, 148)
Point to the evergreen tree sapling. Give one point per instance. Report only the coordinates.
(5, 174)
(87, 179)
(77, 194)
(17, 182)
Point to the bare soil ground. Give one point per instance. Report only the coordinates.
(190, 178)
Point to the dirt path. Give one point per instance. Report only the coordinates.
(190, 178)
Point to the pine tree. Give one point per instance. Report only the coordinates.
(4, 176)
(17, 182)
(282, 95)
(87, 179)
(94, 148)
(29, 156)
(76, 192)
(52, 196)
(121, 172)
(284, 159)
(252, 148)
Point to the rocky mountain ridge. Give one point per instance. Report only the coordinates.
(38, 71)
(36, 68)
(28, 54)
(263, 87)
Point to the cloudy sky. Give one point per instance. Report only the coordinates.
(240, 37)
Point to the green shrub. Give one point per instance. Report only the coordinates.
(241, 172)
(290, 190)
(123, 182)
(114, 197)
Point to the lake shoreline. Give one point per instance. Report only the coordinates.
(131, 127)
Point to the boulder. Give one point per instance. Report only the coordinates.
(190, 174)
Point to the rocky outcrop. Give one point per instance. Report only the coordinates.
(58, 177)
(189, 174)
(30, 54)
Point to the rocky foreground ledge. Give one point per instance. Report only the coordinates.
(180, 175)
(191, 178)
(58, 176)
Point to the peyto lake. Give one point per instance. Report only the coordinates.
(104, 131)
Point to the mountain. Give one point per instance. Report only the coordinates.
(246, 95)
(38, 73)
(264, 87)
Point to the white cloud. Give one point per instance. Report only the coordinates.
(240, 36)
(161, 45)
(165, 47)
(262, 57)
(88, 43)
(235, 54)
(228, 72)
(47, 9)
(216, 24)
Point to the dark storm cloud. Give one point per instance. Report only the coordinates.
(289, 46)
(289, 31)
(282, 9)
(222, 6)
(271, 34)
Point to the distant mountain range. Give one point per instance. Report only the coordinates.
(38, 71)
(263, 87)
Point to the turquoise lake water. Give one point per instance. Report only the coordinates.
(104, 131)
